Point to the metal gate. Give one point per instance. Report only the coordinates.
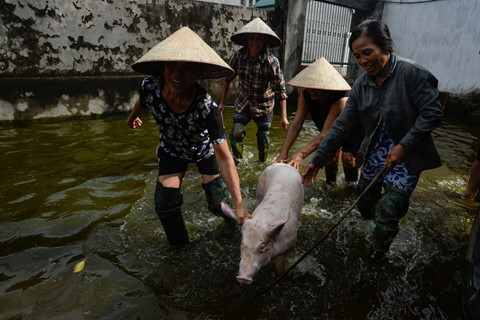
(327, 31)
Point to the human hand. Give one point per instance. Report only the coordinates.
(309, 176)
(242, 214)
(295, 160)
(134, 124)
(285, 123)
(280, 159)
(221, 106)
(395, 156)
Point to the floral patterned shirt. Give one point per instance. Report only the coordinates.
(190, 135)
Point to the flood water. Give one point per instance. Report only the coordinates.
(82, 190)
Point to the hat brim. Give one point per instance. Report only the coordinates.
(184, 45)
(242, 39)
(320, 75)
(207, 71)
(256, 26)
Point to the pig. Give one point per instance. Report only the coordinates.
(272, 231)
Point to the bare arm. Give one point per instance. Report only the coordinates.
(297, 159)
(226, 86)
(133, 121)
(230, 175)
(294, 129)
(284, 119)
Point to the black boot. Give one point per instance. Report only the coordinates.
(331, 171)
(237, 134)
(263, 138)
(168, 203)
(381, 243)
(351, 174)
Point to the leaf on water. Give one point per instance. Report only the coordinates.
(79, 266)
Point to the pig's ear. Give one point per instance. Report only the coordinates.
(276, 227)
(228, 211)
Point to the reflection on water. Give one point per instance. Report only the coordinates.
(79, 190)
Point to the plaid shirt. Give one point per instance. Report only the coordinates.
(259, 82)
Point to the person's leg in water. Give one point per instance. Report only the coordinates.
(263, 135)
(391, 207)
(349, 167)
(349, 153)
(169, 199)
(263, 142)
(388, 208)
(214, 187)
(366, 205)
(331, 168)
(238, 133)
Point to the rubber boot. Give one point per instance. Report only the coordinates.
(215, 192)
(351, 174)
(366, 205)
(263, 137)
(331, 171)
(236, 140)
(392, 206)
(168, 203)
(382, 239)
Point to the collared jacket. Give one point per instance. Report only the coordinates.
(259, 82)
(407, 101)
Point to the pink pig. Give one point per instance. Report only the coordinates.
(272, 231)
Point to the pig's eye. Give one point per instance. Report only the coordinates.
(263, 248)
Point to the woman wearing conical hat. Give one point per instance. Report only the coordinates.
(260, 82)
(323, 93)
(190, 125)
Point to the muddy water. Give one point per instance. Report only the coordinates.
(83, 191)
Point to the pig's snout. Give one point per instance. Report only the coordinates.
(244, 280)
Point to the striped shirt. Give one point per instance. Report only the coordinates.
(259, 82)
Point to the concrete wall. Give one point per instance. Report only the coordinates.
(72, 58)
(444, 36)
(292, 29)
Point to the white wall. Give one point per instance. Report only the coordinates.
(443, 36)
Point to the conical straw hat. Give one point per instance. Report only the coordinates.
(184, 45)
(256, 26)
(320, 75)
